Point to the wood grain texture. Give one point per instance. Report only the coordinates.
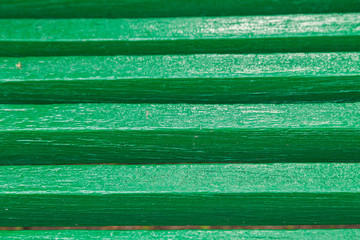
(186, 234)
(251, 34)
(155, 133)
(185, 194)
(169, 8)
(201, 78)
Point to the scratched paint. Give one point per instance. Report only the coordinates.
(186, 234)
(200, 78)
(251, 34)
(188, 194)
(175, 133)
(200, 81)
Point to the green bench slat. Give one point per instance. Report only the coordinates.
(252, 34)
(166, 8)
(155, 133)
(182, 194)
(251, 78)
(186, 234)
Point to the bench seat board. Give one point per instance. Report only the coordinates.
(185, 194)
(201, 78)
(167, 8)
(334, 234)
(171, 133)
(251, 34)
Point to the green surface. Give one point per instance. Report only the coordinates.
(299, 53)
(186, 234)
(197, 194)
(202, 78)
(154, 133)
(252, 34)
(167, 8)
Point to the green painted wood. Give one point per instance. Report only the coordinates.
(251, 34)
(182, 194)
(158, 133)
(186, 234)
(167, 8)
(251, 78)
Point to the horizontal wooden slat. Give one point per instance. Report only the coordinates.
(198, 194)
(153, 133)
(186, 234)
(287, 33)
(172, 8)
(251, 78)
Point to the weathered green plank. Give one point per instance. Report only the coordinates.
(182, 194)
(287, 33)
(154, 133)
(167, 8)
(186, 234)
(251, 78)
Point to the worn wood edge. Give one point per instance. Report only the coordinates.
(184, 234)
(177, 133)
(162, 8)
(251, 34)
(103, 195)
(201, 78)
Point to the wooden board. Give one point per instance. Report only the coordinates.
(186, 234)
(163, 8)
(201, 78)
(184, 194)
(171, 133)
(251, 34)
